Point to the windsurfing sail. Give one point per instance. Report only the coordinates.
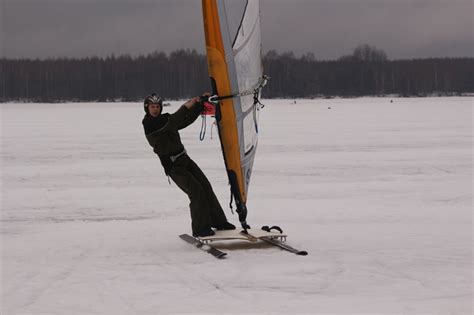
(233, 46)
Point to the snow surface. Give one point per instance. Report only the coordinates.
(379, 194)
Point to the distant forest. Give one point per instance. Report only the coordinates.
(183, 73)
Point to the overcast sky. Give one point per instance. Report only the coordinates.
(328, 28)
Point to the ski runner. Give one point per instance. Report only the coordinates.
(162, 133)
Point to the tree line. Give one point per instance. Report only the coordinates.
(183, 73)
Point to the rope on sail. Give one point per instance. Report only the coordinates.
(255, 91)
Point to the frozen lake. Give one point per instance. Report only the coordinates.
(379, 194)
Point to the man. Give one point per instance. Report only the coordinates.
(161, 131)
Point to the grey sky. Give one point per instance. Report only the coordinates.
(328, 28)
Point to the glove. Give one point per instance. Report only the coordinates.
(208, 109)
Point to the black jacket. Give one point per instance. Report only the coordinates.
(162, 131)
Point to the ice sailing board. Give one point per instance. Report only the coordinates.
(238, 235)
(233, 46)
(274, 238)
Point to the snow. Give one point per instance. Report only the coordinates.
(378, 193)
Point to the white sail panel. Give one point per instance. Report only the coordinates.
(246, 71)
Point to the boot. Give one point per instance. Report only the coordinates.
(204, 232)
(225, 226)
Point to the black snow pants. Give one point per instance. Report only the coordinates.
(205, 209)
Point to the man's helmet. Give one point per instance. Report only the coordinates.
(152, 99)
